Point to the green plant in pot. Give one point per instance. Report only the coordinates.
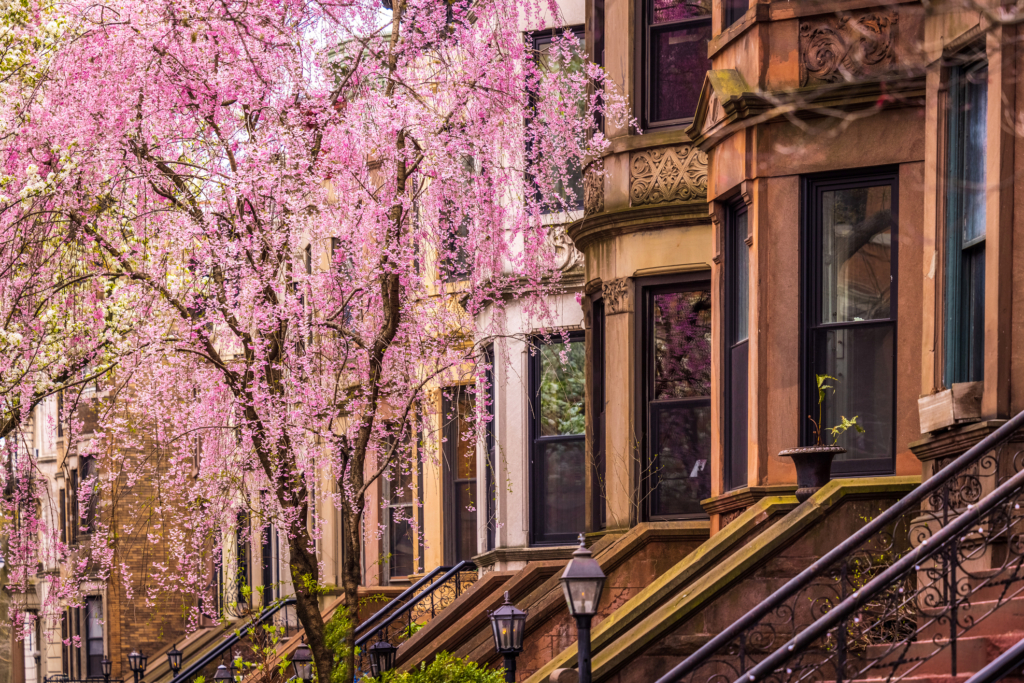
(814, 463)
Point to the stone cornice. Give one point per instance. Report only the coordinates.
(608, 224)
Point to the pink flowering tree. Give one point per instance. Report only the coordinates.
(295, 209)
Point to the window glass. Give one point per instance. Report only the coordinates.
(678, 445)
(682, 349)
(460, 454)
(740, 263)
(549, 60)
(678, 64)
(562, 388)
(853, 230)
(557, 458)
(94, 636)
(856, 254)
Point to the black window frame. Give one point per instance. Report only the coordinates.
(598, 399)
(811, 293)
(93, 662)
(269, 549)
(490, 448)
(646, 289)
(538, 39)
(534, 472)
(736, 358)
(389, 542)
(450, 398)
(964, 285)
(646, 27)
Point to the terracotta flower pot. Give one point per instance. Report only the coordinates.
(813, 467)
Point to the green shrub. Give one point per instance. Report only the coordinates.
(444, 669)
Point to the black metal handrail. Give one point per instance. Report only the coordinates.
(399, 599)
(408, 609)
(231, 641)
(1010, 663)
(755, 636)
(64, 678)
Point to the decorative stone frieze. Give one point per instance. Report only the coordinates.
(593, 188)
(849, 47)
(616, 296)
(667, 174)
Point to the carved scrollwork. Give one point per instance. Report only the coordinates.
(593, 188)
(668, 174)
(616, 295)
(567, 256)
(848, 48)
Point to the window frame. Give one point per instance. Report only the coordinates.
(811, 294)
(731, 477)
(963, 352)
(535, 439)
(645, 24)
(450, 398)
(90, 672)
(537, 40)
(389, 539)
(646, 289)
(599, 400)
(490, 451)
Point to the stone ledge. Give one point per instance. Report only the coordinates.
(744, 497)
(607, 224)
(535, 554)
(954, 441)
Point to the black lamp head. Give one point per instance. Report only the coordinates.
(106, 666)
(137, 662)
(508, 624)
(582, 582)
(382, 657)
(174, 659)
(223, 674)
(302, 662)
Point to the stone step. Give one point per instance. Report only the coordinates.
(926, 658)
(984, 618)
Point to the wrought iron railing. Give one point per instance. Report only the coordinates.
(899, 593)
(402, 598)
(225, 645)
(401, 623)
(64, 678)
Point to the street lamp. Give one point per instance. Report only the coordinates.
(137, 663)
(509, 625)
(582, 582)
(302, 662)
(223, 674)
(382, 657)
(174, 661)
(105, 666)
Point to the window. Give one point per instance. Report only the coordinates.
(63, 509)
(401, 536)
(676, 334)
(675, 51)
(965, 224)
(598, 488)
(569, 195)
(242, 553)
(491, 447)
(75, 519)
(460, 476)
(94, 636)
(88, 485)
(268, 556)
(851, 315)
(557, 455)
(737, 321)
(733, 11)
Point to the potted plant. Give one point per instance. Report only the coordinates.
(814, 463)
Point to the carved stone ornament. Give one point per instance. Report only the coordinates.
(593, 188)
(667, 174)
(616, 295)
(851, 47)
(567, 256)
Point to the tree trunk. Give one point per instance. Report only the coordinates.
(350, 579)
(306, 581)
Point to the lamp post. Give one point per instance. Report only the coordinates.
(137, 663)
(582, 582)
(174, 661)
(509, 625)
(105, 667)
(382, 657)
(302, 662)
